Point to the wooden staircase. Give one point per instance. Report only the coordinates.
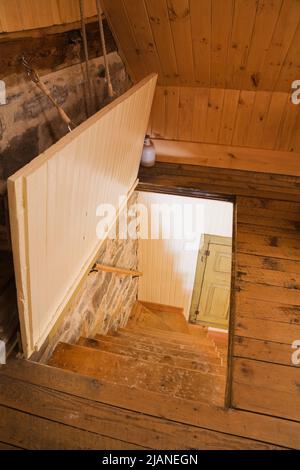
(158, 351)
(157, 384)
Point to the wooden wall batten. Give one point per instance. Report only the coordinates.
(53, 203)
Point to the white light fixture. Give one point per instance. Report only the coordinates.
(148, 154)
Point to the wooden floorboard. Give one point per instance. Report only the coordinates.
(233, 422)
(120, 425)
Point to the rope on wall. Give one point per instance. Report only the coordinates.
(102, 37)
(86, 56)
(35, 78)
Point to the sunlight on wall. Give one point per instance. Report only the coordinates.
(169, 265)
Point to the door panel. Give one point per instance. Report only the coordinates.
(214, 294)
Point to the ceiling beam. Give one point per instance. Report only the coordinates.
(225, 156)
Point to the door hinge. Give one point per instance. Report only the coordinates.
(207, 252)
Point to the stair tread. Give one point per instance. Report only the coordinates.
(163, 320)
(171, 334)
(163, 356)
(124, 370)
(170, 338)
(143, 316)
(153, 340)
(144, 343)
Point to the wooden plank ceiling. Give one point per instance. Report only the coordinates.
(225, 67)
(21, 15)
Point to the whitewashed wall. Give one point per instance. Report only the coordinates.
(168, 267)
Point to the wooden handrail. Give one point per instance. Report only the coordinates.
(116, 270)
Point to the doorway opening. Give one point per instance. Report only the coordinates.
(194, 278)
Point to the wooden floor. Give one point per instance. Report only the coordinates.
(64, 409)
(157, 357)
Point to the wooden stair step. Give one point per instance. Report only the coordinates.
(164, 379)
(196, 330)
(158, 347)
(162, 357)
(142, 316)
(132, 337)
(178, 336)
(203, 343)
(172, 316)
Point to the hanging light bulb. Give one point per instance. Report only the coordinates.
(148, 154)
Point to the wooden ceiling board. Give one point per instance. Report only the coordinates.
(21, 15)
(255, 119)
(236, 44)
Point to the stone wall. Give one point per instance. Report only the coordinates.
(104, 300)
(29, 123)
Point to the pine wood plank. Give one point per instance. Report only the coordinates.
(204, 181)
(227, 125)
(290, 66)
(247, 306)
(258, 426)
(127, 45)
(117, 369)
(117, 270)
(185, 115)
(235, 158)
(222, 13)
(244, 111)
(201, 13)
(161, 29)
(158, 113)
(200, 109)
(273, 120)
(203, 364)
(168, 336)
(140, 23)
(287, 126)
(267, 330)
(241, 35)
(264, 270)
(266, 388)
(50, 435)
(4, 446)
(265, 21)
(282, 37)
(272, 246)
(214, 115)
(18, 15)
(267, 351)
(179, 17)
(171, 112)
(143, 430)
(258, 118)
(150, 345)
(269, 205)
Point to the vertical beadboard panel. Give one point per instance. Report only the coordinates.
(168, 268)
(59, 191)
